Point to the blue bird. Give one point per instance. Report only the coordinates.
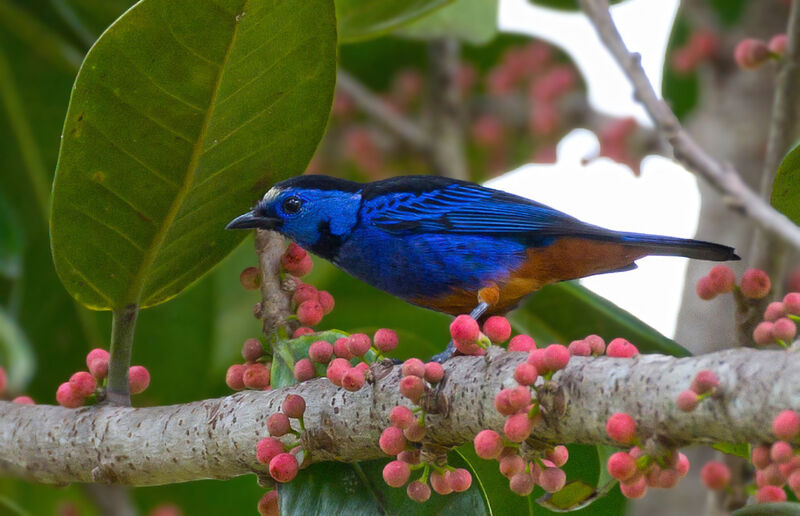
(449, 245)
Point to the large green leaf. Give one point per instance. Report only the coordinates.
(16, 355)
(786, 187)
(182, 115)
(567, 311)
(472, 21)
(363, 19)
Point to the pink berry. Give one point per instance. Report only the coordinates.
(401, 417)
(256, 376)
(278, 424)
(579, 348)
(464, 330)
(250, 278)
(525, 374)
(558, 455)
(412, 388)
(392, 441)
(522, 343)
(518, 427)
(791, 303)
(385, 340)
(95, 354)
(769, 476)
(667, 478)
(760, 455)
(341, 349)
(536, 359)
(353, 379)
(521, 483)
(488, 444)
(99, 368)
(418, 491)
(763, 335)
(786, 425)
(751, 53)
(283, 467)
(723, 279)
(555, 357)
(309, 313)
(83, 383)
(268, 504)
(296, 261)
(303, 330)
(777, 44)
(252, 350)
(781, 452)
(621, 348)
(705, 289)
(704, 381)
(336, 369)
(793, 480)
(67, 397)
(396, 473)
(305, 292)
(774, 311)
(511, 401)
(434, 372)
(636, 489)
(23, 400)
(687, 401)
(320, 351)
(552, 479)
(621, 466)
(294, 406)
(755, 284)
(415, 432)
(267, 448)
(138, 379)
(597, 344)
(413, 367)
(715, 475)
(622, 428)
(497, 328)
(770, 494)
(511, 465)
(358, 344)
(326, 301)
(439, 482)
(460, 480)
(784, 329)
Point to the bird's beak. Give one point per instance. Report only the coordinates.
(252, 220)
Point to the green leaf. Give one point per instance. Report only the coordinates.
(11, 241)
(183, 113)
(472, 21)
(786, 187)
(563, 312)
(739, 449)
(729, 12)
(363, 19)
(680, 90)
(769, 509)
(16, 354)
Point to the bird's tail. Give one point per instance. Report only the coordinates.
(671, 246)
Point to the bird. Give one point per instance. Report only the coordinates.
(450, 245)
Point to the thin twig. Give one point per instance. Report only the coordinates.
(687, 151)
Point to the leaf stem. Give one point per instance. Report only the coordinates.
(122, 327)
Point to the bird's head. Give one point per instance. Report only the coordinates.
(317, 212)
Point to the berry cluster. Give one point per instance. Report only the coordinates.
(284, 465)
(356, 348)
(721, 279)
(777, 465)
(780, 321)
(751, 53)
(705, 384)
(468, 338)
(84, 386)
(254, 373)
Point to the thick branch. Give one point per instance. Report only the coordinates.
(275, 297)
(721, 176)
(217, 438)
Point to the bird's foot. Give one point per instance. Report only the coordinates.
(445, 355)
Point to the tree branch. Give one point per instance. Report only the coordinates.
(217, 438)
(721, 176)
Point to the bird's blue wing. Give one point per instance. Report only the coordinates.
(468, 208)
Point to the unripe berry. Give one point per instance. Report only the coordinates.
(622, 428)
(138, 379)
(687, 401)
(412, 388)
(414, 432)
(283, 467)
(597, 344)
(23, 400)
(488, 444)
(755, 284)
(304, 292)
(705, 289)
(536, 359)
(777, 44)
(434, 372)
(511, 465)
(296, 261)
(497, 328)
(256, 376)
(252, 350)
(326, 301)
(784, 329)
(401, 417)
(267, 448)
(555, 357)
(95, 354)
(791, 303)
(751, 53)
(413, 367)
(704, 381)
(309, 313)
(418, 491)
(770, 494)
(67, 397)
(396, 473)
(439, 482)
(336, 369)
(723, 279)
(460, 480)
(294, 406)
(781, 452)
(579, 348)
(392, 441)
(521, 483)
(621, 348)
(303, 330)
(794, 481)
(715, 475)
(464, 330)
(558, 455)
(353, 379)
(409, 456)
(760, 455)
(358, 344)
(522, 343)
(268, 504)
(385, 340)
(518, 427)
(762, 335)
(786, 425)
(320, 351)
(552, 479)
(621, 466)
(250, 278)
(635, 489)
(341, 349)
(667, 478)
(278, 425)
(82, 383)
(525, 374)
(303, 370)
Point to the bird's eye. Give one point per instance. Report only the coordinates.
(292, 205)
